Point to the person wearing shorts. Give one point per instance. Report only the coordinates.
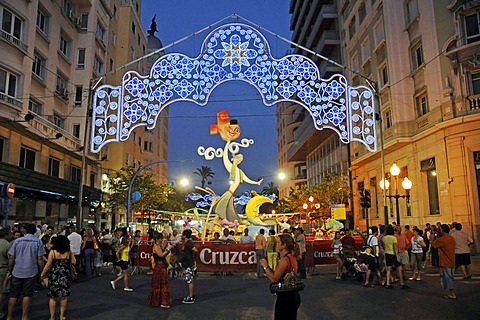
(25, 256)
(391, 254)
(188, 264)
(123, 255)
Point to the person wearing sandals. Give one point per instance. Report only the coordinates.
(445, 244)
(159, 293)
(59, 279)
(123, 258)
(287, 303)
(391, 257)
(337, 253)
(417, 244)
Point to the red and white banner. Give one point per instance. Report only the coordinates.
(240, 257)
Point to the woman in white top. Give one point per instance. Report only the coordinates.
(337, 254)
(417, 244)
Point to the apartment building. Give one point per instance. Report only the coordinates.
(53, 52)
(423, 54)
(305, 153)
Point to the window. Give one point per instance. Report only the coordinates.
(472, 27)
(428, 166)
(61, 85)
(76, 130)
(127, 159)
(379, 33)
(64, 45)
(92, 179)
(387, 115)
(27, 158)
(75, 174)
(147, 145)
(78, 95)
(354, 60)
(362, 12)
(114, 38)
(112, 65)
(411, 10)
(100, 32)
(475, 83)
(138, 39)
(422, 104)
(365, 50)
(67, 6)
(351, 28)
(132, 53)
(12, 24)
(43, 21)
(115, 11)
(38, 66)
(417, 56)
(58, 120)
(53, 167)
(35, 107)
(383, 74)
(84, 22)
(2, 142)
(97, 64)
(133, 27)
(81, 58)
(8, 83)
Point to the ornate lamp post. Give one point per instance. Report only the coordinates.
(406, 184)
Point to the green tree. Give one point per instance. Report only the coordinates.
(270, 189)
(204, 172)
(153, 195)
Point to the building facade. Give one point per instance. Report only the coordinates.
(424, 57)
(54, 51)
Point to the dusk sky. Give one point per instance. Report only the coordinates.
(190, 123)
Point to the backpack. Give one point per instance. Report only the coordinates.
(366, 247)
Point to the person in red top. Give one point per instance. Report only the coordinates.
(445, 244)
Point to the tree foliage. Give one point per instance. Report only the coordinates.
(204, 172)
(153, 195)
(332, 189)
(270, 189)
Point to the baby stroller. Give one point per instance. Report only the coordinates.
(352, 268)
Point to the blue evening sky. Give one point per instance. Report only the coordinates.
(190, 123)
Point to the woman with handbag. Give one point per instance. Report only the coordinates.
(159, 293)
(288, 302)
(58, 283)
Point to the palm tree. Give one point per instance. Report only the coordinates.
(205, 172)
(270, 189)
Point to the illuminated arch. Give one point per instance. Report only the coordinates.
(232, 52)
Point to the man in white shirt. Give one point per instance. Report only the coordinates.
(175, 238)
(246, 238)
(227, 237)
(75, 245)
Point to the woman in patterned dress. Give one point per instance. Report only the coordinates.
(59, 278)
(159, 293)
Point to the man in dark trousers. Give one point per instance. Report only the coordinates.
(188, 256)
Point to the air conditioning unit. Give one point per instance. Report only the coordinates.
(78, 22)
(63, 92)
(70, 15)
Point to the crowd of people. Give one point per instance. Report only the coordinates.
(43, 255)
(389, 251)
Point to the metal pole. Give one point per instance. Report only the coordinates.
(129, 193)
(84, 153)
(398, 209)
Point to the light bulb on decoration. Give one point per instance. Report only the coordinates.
(395, 170)
(305, 206)
(310, 199)
(384, 184)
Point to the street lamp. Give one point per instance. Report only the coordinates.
(406, 184)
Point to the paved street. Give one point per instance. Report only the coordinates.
(244, 297)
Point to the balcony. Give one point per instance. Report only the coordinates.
(11, 101)
(474, 102)
(14, 41)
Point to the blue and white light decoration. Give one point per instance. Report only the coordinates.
(233, 52)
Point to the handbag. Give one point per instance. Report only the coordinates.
(73, 271)
(290, 282)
